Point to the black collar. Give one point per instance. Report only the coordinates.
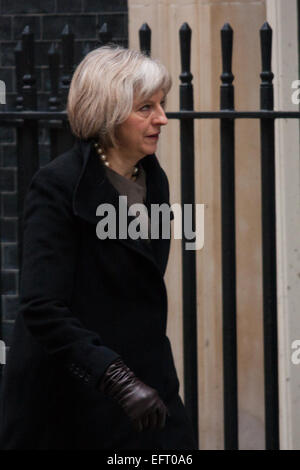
(94, 188)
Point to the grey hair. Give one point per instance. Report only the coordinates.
(104, 86)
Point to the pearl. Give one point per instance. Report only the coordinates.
(107, 164)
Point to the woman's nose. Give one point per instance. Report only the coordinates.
(160, 117)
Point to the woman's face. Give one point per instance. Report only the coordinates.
(139, 134)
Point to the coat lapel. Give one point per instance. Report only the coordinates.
(94, 188)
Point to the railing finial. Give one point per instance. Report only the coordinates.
(86, 49)
(145, 39)
(185, 35)
(105, 35)
(29, 80)
(66, 29)
(186, 77)
(227, 77)
(53, 59)
(19, 71)
(67, 40)
(266, 87)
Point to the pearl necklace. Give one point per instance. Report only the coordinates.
(106, 163)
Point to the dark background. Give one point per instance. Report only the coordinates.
(47, 19)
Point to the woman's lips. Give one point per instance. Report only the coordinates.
(153, 137)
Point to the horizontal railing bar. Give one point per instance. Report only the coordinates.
(51, 123)
(233, 114)
(40, 115)
(62, 115)
(43, 123)
(12, 122)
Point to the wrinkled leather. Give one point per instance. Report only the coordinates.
(140, 402)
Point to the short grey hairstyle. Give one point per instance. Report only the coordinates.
(104, 86)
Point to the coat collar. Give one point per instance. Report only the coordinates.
(94, 188)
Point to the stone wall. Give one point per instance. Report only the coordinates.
(206, 18)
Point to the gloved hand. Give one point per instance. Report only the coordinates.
(140, 402)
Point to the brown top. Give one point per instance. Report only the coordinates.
(134, 190)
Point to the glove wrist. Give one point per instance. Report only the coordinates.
(115, 378)
(140, 402)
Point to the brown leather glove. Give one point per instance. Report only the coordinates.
(140, 402)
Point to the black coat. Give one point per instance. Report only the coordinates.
(83, 303)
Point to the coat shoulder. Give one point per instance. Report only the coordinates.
(62, 172)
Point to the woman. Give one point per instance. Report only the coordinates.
(91, 366)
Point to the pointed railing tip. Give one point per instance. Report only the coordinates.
(26, 30)
(226, 27)
(185, 27)
(52, 48)
(18, 46)
(145, 27)
(86, 49)
(266, 26)
(66, 29)
(104, 28)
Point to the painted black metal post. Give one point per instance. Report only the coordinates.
(67, 44)
(145, 39)
(29, 80)
(86, 49)
(53, 59)
(63, 139)
(269, 244)
(19, 71)
(105, 35)
(188, 256)
(1, 293)
(54, 101)
(1, 267)
(228, 247)
(27, 135)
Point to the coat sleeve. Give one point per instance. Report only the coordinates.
(50, 250)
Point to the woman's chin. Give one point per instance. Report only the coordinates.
(150, 149)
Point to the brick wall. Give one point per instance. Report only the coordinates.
(47, 19)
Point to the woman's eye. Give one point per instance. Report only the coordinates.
(146, 107)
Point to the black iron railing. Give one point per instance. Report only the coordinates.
(27, 120)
